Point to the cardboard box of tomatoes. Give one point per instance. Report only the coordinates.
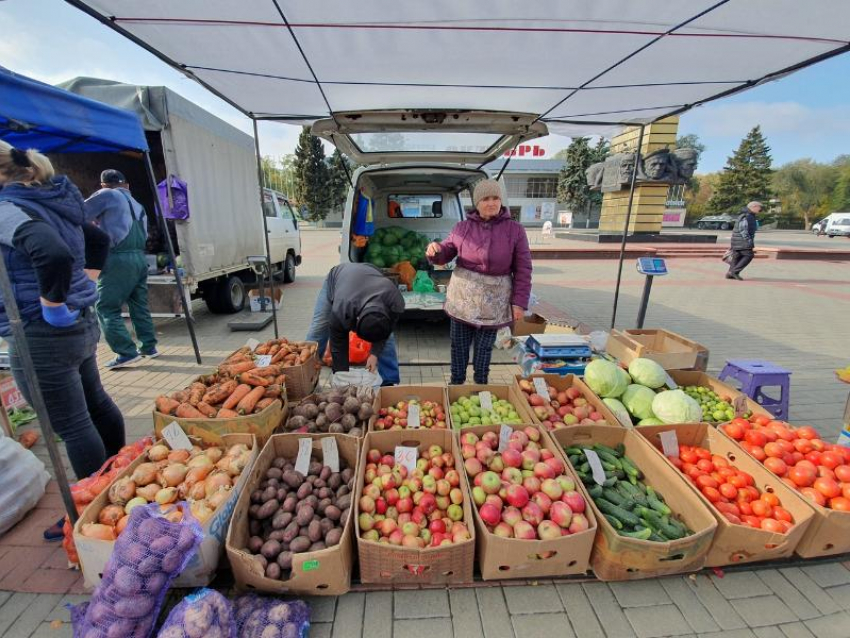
(758, 516)
(818, 470)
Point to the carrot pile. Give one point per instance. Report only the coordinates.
(239, 386)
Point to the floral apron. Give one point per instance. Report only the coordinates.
(479, 300)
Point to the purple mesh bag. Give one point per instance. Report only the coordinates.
(258, 617)
(202, 614)
(147, 556)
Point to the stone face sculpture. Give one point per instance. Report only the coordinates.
(659, 167)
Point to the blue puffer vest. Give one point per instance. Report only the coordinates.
(60, 204)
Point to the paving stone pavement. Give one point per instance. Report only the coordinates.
(768, 316)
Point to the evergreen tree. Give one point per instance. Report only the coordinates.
(746, 176)
(311, 175)
(572, 182)
(339, 169)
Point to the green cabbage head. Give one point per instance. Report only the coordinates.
(619, 411)
(647, 372)
(650, 421)
(604, 379)
(638, 401)
(674, 406)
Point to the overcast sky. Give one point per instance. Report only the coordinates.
(804, 115)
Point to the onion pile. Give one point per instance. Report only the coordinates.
(202, 477)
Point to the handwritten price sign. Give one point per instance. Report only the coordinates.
(406, 456)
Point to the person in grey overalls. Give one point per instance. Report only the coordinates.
(124, 279)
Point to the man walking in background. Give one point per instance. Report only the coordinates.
(124, 279)
(743, 240)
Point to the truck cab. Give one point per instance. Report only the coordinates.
(284, 233)
(414, 164)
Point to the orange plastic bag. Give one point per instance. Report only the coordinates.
(406, 273)
(358, 351)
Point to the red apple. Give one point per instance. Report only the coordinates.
(494, 500)
(525, 530)
(561, 514)
(504, 530)
(579, 524)
(437, 526)
(543, 501)
(512, 475)
(511, 515)
(517, 496)
(543, 471)
(491, 482)
(552, 489)
(547, 530)
(574, 500)
(490, 514)
(532, 513)
(532, 484)
(473, 466)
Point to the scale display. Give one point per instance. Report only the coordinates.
(652, 266)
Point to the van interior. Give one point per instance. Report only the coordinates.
(424, 199)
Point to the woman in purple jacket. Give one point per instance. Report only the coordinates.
(491, 282)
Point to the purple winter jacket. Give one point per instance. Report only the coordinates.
(496, 247)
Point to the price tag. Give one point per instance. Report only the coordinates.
(302, 462)
(669, 443)
(595, 466)
(671, 384)
(486, 400)
(263, 360)
(406, 456)
(540, 387)
(413, 416)
(176, 437)
(252, 343)
(740, 405)
(504, 437)
(330, 453)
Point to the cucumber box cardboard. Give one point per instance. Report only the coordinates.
(396, 565)
(325, 572)
(500, 557)
(200, 571)
(562, 383)
(734, 543)
(618, 557)
(668, 349)
(504, 392)
(391, 396)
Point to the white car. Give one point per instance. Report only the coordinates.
(414, 164)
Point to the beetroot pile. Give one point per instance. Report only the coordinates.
(291, 513)
(338, 411)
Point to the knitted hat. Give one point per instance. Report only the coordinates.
(374, 326)
(486, 188)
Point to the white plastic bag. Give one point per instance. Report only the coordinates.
(22, 482)
(356, 377)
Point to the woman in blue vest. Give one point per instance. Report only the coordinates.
(53, 258)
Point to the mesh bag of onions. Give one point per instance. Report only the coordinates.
(202, 614)
(258, 617)
(147, 556)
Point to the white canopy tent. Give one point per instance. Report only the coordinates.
(581, 67)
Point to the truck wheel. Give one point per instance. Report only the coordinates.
(227, 297)
(289, 269)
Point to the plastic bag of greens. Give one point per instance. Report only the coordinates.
(203, 614)
(258, 617)
(422, 282)
(149, 554)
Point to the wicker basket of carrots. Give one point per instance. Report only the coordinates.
(240, 397)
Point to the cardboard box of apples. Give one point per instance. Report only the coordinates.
(568, 401)
(532, 521)
(410, 407)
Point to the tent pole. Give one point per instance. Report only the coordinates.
(164, 225)
(626, 226)
(265, 224)
(22, 351)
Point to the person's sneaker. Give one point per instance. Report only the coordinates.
(123, 361)
(738, 277)
(153, 354)
(54, 532)
(730, 276)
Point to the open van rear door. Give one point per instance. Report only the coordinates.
(401, 136)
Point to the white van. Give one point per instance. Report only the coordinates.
(284, 234)
(414, 166)
(838, 224)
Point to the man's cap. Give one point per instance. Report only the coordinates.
(112, 176)
(374, 326)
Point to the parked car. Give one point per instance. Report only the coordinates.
(716, 222)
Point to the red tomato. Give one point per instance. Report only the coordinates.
(842, 473)
(745, 508)
(739, 481)
(752, 521)
(840, 503)
(797, 457)
(789, 482)
(675, 460)
(807, 432)
(772, 525)
(749, 479)
(744, 496)
(784, 433)
(705, 465)
(813, 495)
(702, 453)
(777, 466)
(757, 452)
(769, 434)
(728, 490)
(761, 419)
(813, 457)
(707, 481)
(732, 518)
(804, 446)
(731, 508)
(831, 460)
(770, 498)
(845, 490)
(711, 494)
(825, 472)
(755, 437)
(786, 526)
(689, 456)
(726, 472)
(760, 508)
(819, 445)
(787, 446)
(828, 487)
(734, 430)
(782, 514)
(774, 449)
(719, 461)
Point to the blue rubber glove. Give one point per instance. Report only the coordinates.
(59, 316)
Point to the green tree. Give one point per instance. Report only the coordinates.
(804, 187)
(696, 199)
(572, 182)
(746, 176)
(311, 175)
(841, 190)
(339, 169)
